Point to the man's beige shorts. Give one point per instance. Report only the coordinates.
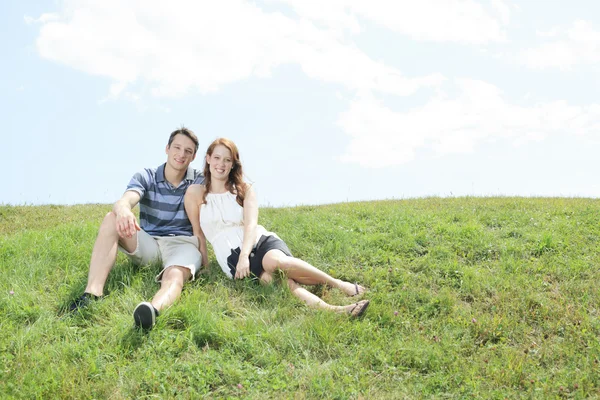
(169, 250)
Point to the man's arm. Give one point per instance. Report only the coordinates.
(127, 224)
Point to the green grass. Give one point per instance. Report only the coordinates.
(471, 298)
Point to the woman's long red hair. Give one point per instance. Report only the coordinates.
(235, 183)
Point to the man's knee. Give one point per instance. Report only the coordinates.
(110, 217)
(176, 274)
(108, 231)
(109, 223)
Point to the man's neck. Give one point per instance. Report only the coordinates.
(174, 177)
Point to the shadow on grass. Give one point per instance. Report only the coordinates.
(132, 340)
(121, 275)
(124, 273)
(84, 317)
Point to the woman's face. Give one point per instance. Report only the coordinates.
(220, 162)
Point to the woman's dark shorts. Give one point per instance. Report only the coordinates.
(265, 244)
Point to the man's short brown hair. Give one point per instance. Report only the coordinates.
(187, 132)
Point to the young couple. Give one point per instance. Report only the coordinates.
(221, 206)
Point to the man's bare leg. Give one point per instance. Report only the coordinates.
(171, 285)
(104, 254)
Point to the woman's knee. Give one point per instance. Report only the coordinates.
(278, 260)
(292, 284)
(272, 261)
(266, 278)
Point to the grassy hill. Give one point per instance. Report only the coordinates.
(471, 297)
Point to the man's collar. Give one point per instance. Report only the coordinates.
(160, 174)
(191, 174)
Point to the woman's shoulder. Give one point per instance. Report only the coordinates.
(195, 190)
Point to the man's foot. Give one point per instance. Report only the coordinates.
(145, 315)
(82, 302)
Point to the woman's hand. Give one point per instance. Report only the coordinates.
(250, 222)
(203, 251)
(242, 268)
(192, 202)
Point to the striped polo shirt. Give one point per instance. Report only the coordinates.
(162, 211)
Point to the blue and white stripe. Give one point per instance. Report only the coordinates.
(162, 211)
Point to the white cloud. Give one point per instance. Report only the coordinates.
(172, 48)
(565, 48)
(47, 17)
(382, 137)
(464, 21)
(503, 10)
(335, 14)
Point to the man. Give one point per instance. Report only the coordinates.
(164, 234)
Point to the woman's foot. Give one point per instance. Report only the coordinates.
(358, 309)
(351, 289)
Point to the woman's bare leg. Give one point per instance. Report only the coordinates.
(266, 278)
(304, 273)
(314, 301)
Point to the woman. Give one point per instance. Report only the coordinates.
(226, 211)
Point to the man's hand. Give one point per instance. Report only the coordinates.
(127, 225)
(242, 269)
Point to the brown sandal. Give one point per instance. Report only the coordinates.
(359, 308)
(357, 290)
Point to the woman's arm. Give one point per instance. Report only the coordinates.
(250, 222)
(192, 203)
(202, 248)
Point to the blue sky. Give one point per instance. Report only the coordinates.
(328, 102)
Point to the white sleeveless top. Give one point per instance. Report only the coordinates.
(222, 221)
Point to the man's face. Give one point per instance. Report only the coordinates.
(181, 152)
